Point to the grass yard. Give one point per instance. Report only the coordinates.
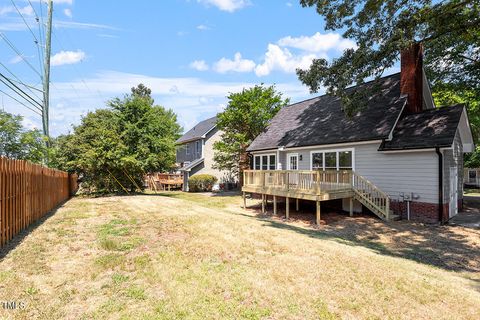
(192, 256)
(472, 192)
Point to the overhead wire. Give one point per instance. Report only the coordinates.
(20, 55)
(20, 102)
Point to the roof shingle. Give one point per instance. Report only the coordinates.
(198, 131)
(321, 120)
(427, 129)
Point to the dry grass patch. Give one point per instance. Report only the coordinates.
(175, 257)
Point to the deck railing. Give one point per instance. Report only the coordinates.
(319, 182)
(311, 181)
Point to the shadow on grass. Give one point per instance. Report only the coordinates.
(18, 239)
(445, 247)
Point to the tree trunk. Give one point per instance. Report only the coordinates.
(244, 164)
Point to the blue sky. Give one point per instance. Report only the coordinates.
(191, 53)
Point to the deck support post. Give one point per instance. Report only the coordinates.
(296, 205)
(318, 213)
(275, 205)
(351, 207)
(287, 208)
(263, 203)
(244, 201)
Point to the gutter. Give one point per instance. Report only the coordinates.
(440, 184)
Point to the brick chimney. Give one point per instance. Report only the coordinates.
(411, 76)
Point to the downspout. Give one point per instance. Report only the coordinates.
(440, 184)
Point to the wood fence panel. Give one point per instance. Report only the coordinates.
(28, 192)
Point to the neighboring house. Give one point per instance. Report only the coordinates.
(399, 141)
(471, 177)
(195, 151)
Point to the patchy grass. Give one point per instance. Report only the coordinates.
(472, 192)
(195, 256)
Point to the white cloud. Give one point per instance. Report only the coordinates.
(16, 59)
(67, 57)
(199, 65)
(288, 4)
(236, 65)
(203, 27)
(27, 10)
(192, 99)
(281, 59)
(226, 5)
(81, 25)
(68, 13)
(318, 42)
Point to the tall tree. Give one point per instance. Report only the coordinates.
(17, 142)
(112, 148)
(450, 31)
(245, 117)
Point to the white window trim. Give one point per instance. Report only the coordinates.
(288, 159)
(197, 147)
(323, 151)
(261, 155)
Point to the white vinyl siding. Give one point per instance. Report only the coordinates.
(395, 173)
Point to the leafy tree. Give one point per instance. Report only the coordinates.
(113, 148)
(16, 142)
(245, 117)
(450, 31)
(446, 96)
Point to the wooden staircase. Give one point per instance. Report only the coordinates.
(373, 198)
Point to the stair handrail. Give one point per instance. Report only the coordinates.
(386, 197)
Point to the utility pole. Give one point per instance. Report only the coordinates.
(46, 73)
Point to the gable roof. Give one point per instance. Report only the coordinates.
(426, 129)
(321, 120)
(198, 131)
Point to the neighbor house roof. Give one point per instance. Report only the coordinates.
(198, 131)
(426, 129)
(321, 120)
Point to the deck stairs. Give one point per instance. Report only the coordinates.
(373, 198)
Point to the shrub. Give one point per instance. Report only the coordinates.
(201, 182)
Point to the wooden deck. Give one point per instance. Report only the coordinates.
(316, 185)
(164, 181)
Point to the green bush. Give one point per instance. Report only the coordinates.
(201, 182)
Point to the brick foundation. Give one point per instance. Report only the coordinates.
(420, 211)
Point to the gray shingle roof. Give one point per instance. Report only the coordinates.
(427, 129)
(321, 120)
(198, 131)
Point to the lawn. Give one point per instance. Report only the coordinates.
(183, 256)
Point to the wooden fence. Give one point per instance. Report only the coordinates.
(28, 192)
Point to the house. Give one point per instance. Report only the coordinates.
(471, 178)
(399, 156)
(194, 152)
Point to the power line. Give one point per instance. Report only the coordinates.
(23, 104)
(12, 46)
(21, 82)
(19, 91)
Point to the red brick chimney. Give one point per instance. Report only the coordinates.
(411, 77)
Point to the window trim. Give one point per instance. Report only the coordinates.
(337, 151)
(197, 147)
(261, 155)
(187, 149)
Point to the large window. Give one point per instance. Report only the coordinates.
(332, 160)
(265, 162)
(198, 147)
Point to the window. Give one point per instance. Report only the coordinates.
(317, 161)
(265, 162)
(257, 162)
(187, 148)
(345, 160)
(197, 147)
(332, 160)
